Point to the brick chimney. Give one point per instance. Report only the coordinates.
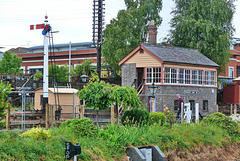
(152, 31)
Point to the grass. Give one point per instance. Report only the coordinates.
(110, 143)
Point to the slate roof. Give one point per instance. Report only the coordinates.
(179, 55)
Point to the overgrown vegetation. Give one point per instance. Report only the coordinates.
(4, 91)
(110, 143)
(157, 118)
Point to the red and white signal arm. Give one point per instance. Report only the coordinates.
(38, 26)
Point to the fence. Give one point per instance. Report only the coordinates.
(30, 113)
(229, 109)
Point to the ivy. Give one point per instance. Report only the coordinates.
(4, 91)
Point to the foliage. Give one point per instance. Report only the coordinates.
(170, 116)
(223, 122)
(236, 117)
(37, 133)
(206, 25)
(98, 95)
(59, 73)
(157, 118)
(136, 117)
(84, 68)
(38, 76)
(123, 33)
(112, 141)
(127, 96)
(4, 91)
(10, 63)
(80, 127)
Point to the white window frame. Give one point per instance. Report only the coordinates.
(230, 74)
(185, 76)
(34, 67)
(199, 77)
(170, 78)
(208, 78)
(150, 75)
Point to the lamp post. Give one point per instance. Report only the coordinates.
(84, 80)
(153, 89)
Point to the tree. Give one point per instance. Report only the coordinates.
(4, 91)
(126, 97)
(206, 25)
(84, 68)
(97, 95)
(59, 73)
(10, 63)
(123, 33)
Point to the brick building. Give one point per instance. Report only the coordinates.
(175, 71)
(33, 57)
(230, 88)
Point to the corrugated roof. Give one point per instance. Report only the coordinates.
(179, 55)
(89, 44)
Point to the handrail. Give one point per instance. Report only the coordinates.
(142, 83)
(134, 82)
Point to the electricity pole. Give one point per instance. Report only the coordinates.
(98, 18)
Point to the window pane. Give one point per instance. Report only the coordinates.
(181, 76)
(200, 81)
(173, 75)
(149, 75)
(194, 77)
(153, 75)
(187, 76)
(167, 75)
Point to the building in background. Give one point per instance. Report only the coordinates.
(230, 89)
(60, 54)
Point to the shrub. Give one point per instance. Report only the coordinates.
(37, 133)
(236, 118)
(170, 116)
(223, 122)
(80, 127)
(136, 117)
(157, 117)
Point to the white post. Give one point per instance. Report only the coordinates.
(197, 113)
(69, 64)
(45, 66)
(75, 158)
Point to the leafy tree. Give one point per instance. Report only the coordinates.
(38, 76)
(101, 95)
(126, 97)
(10, 63)
(123, 33)
(59, 73)
(4, 91)
(206, 25)
(85, 67)
(97, 95)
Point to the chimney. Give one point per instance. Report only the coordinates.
(152, 31)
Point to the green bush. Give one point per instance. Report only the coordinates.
(80, 127)
(170, 116)
(157, 117)
(223, 122)
(136, 117)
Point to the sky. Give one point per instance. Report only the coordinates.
(72, 18)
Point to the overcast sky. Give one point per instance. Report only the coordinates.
(72, 18)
